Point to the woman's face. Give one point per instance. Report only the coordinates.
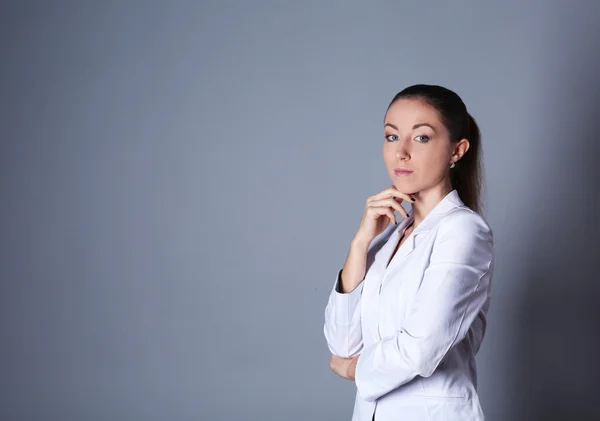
(417, 150)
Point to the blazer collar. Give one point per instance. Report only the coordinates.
(450, 202)
(447, 204)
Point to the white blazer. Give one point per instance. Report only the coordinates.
(419, 322)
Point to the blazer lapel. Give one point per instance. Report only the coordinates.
(448, 203)
(405, 249)
(383, 256)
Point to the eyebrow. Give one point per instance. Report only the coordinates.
(416, 126)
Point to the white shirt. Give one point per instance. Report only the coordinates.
(419, 322)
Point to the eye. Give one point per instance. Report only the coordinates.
(422, 138)
(391, 137)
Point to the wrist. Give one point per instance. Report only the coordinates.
(352, 368)
(359, 243)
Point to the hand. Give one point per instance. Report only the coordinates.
(379, 212)
(344, 367)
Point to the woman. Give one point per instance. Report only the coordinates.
(407, 313)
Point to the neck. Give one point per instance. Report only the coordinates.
(427, 200)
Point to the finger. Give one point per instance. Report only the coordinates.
(391, 203)
(404, 212)
(392, 191)
(381, 211)
(397, 196)
(384, 210)
(407, 197)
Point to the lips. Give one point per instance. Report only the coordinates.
(402, 172)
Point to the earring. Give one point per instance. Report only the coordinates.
(452, 164)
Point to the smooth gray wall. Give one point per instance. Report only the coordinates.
(180, 182)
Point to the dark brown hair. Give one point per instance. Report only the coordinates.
(466, 176)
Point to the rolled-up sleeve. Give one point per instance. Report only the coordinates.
(342, 320)
(453, 291)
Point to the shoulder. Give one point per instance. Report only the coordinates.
(464, 222)
(464, 235)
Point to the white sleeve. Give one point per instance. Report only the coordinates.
(342, 329)
(454, 289)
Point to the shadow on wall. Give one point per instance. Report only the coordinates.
(557, 374)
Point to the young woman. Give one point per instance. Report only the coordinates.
(407, 313)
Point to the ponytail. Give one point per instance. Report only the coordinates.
(466, 176)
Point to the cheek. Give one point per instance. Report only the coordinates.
(388, 155)
(433, 160)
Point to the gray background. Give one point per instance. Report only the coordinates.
(180, 182)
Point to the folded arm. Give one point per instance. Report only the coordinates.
(342, 328)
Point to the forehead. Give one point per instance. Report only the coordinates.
(404, 113)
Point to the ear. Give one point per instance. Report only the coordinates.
(460, 148)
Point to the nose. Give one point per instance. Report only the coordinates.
(402, 149)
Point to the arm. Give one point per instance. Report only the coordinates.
(343, 330)
(453, 291)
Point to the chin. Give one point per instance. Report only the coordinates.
(406, 188)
